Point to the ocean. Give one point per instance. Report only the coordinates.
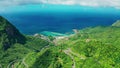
(32, 19)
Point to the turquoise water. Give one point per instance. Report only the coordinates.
(54, 34)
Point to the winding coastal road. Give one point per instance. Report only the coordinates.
(23, 61)
(11, 64)
(0, 66)
(69, 54)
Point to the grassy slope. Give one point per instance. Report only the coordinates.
(116, 24)
(91, 48)
(49, 57)
(14, 46)
(18, 51)
(95, 47)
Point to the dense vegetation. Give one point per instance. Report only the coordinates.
(9, 35)
(116, 24)
(14, 46)
(97, 47)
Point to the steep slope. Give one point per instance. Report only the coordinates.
(14, 46)
(9, 35)
(116, 24)
(48, 57)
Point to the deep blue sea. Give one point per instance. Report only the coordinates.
(32, 19)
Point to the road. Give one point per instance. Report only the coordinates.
(0, 66)
(69, 54)
(11, 64)
(23, 61)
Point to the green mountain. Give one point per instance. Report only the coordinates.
(116, 24)
(9, 35)
(14, 46)
(97, 47)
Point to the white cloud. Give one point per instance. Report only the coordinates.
(104, 3)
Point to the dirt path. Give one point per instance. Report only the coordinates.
(11, 64)
(45, 47)
(0, 66)
(69, 54)
(23, 61)
(75, 54)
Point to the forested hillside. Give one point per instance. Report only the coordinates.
(97, 47)
(14, 46)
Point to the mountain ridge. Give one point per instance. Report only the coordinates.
(9, 34)
(116, 24)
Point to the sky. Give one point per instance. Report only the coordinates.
(11, 5)
(94, 3)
